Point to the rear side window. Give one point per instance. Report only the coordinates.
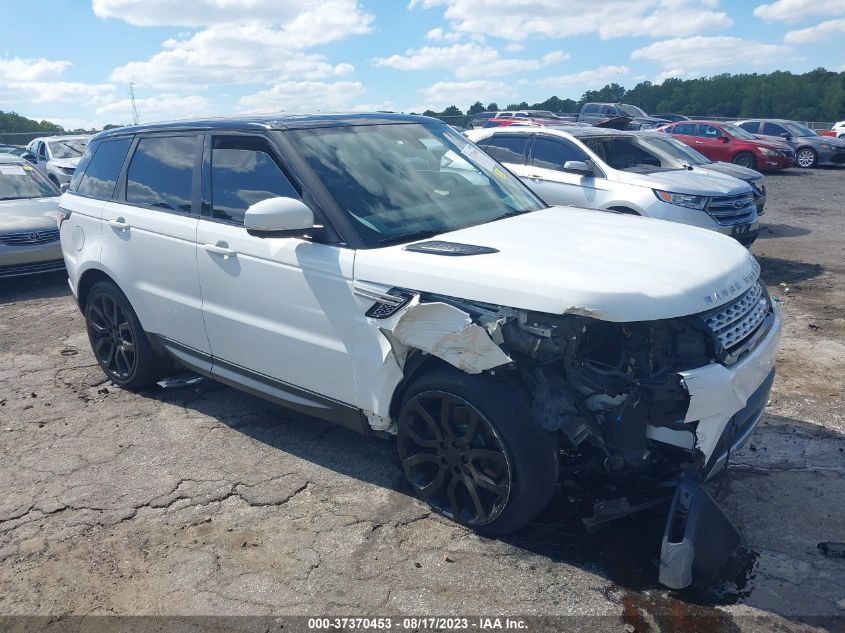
(591, 108)
(507, 149)
(772, 129)
(97, 180)
(687, 129)
(161, 173)
(553, 153)
(750, 126)
(243, 172)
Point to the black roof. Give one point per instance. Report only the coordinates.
(271, 122)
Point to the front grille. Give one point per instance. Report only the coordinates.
(30, 238)
(736, 322)
(737, 209)
(31, 269)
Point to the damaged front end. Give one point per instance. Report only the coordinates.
(642, 410)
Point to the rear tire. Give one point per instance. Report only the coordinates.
(470, 450)
(806, 158)
(118, 341)
(745, 159)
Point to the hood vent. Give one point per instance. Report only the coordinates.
(451, 249)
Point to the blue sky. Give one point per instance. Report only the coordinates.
(70, 61)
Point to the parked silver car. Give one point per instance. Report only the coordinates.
(58, 156)
(614, 170)
(684, 155)
(29, 206)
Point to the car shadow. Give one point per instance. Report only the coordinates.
(625, 551)
(772, 231)
(29, 287)
(775, 270)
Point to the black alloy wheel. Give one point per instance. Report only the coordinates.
(120, 344)
(112, 338)
(454, 458)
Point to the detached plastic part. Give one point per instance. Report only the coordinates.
(699, 539)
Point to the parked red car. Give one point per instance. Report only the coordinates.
(732, 144)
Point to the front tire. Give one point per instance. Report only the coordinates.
(806, 158)
(470, 450)
(745, 159)
(118, 341)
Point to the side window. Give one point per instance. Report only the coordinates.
(591, 108)
(750, 126)
(161, 172)
(243, 172)
(611, 111)
(553, 153)
(708, 131)
(98, 178)
(42, 149)
(771, 129)
(687, 129)
(508, 149)
(505, 115)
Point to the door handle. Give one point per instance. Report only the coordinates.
(220, 248)
(536, 177)
(119, 224)
(699, 142)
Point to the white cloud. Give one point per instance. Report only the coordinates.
(249, 49)
(519, 20)
(17, 69)
(466, 60)
(302, 96)
(594, 78)
(514, 47)
(463, 93)
(815, 33)
(685, 54)
(438, 35)
(196, 13)
(158, 108)
(793, 10)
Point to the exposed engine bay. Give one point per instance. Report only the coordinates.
(618, 396)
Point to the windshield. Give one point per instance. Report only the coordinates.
(738, 132)
(676, 149)
(410, 179)
(630, 110)
(23, 181)
(627, 153)
(71, 148)
(796, 129)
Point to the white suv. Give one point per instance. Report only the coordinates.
(381, 272)
(615, 170)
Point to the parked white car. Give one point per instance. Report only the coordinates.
(613, 170)
(839, 128)
(382, 272)
(58, 156)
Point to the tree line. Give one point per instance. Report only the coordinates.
(818, 95)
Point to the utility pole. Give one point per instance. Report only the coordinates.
(135, 116)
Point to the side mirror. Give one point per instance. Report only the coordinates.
(32, 158)
(578, 167)
(725, 139)
(64, 187)
(786, 135)
(279, 215)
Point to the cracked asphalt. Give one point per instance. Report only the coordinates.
(206, 501)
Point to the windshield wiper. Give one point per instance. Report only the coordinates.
(410, 237)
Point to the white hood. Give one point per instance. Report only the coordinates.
(564, 259)
(67, 163)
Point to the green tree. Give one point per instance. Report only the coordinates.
(475, 108)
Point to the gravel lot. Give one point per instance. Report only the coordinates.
(203, 500)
